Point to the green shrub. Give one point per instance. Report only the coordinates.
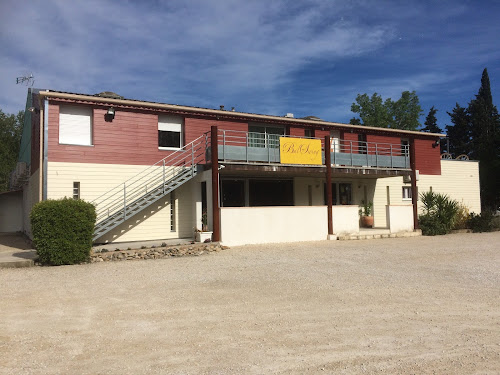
(62, 230)
(481, 223)
(462, 217)
(440, 213)
(431, 225)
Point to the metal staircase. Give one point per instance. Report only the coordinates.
(137, 193)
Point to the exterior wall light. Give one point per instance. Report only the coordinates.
(33, 110)
(111, 113)
(435, 144)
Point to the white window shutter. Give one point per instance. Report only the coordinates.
(75, 125)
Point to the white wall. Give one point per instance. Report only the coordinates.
(345, 219)
(251, 225)
(400, 218)
(96, 179)
(11, 211)
(459, 180)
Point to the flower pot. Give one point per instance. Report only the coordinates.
(367, 221)
(203, 236)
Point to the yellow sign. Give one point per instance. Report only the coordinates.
(300, 151)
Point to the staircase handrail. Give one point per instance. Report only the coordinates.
(181, 159)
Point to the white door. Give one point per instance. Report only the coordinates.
(334, 139)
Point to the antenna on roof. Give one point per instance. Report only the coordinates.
(29, 80)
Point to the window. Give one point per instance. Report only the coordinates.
(406, 193)
(309, 133)
(169, 132)
(334, 194)
(75, 125)
(256, 192)
(362, 145)
(345, 193)
(233, 193)
(76, 190)
(405, 147)
(264, 136)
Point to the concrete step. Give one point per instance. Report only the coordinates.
(373, 235)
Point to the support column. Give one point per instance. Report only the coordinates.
(328, 164)
(414, 188)
(215, 184)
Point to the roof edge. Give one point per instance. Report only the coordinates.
(175, 107)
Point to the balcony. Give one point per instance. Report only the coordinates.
(248, 147)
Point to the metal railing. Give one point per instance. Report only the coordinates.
(154, 179)
(264, 147)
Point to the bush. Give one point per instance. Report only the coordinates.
(62, 230)
(440, 213)
(462, 217)
(481, 223)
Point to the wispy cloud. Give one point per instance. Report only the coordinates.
(308, 57)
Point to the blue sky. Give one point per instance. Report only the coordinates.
(270, 57)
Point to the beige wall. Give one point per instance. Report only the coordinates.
(250, 225)
(458, 179)
(11, 211)
(95, 179)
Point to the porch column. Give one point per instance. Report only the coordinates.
(414, 188)
(328, 164)
(215, 185)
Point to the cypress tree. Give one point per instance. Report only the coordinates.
(485, 135)
(459, 132)
(431, 122)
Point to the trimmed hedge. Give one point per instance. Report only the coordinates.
(62, 230)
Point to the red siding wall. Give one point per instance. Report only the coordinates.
(296, 132)
(384, 143)
(427, 158)
(346, 146)
(194, 127)
(131, 138)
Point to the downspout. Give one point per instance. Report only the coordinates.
(45, 148)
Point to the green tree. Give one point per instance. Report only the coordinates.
(374, 111)
(485, 135)
(431, 122)
(406, 111)
(459, 132)
(11, 127)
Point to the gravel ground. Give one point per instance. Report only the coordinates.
(400, 306)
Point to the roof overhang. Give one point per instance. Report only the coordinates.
(221, 114)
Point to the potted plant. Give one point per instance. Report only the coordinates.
(203, 235)
(366, 213)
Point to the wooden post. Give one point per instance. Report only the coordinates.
(328, 164)
(215, 185)
(414, 188)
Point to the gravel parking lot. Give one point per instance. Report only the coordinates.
(400, 306)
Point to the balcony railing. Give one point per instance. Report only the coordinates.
(239, 146)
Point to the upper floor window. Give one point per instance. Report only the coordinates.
(264, 136)
(169, 132)
(405, 146)
(75, 125)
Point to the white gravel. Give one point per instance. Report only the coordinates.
(400, 306)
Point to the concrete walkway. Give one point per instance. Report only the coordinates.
(15, 251)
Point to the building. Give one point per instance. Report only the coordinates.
(160, 171)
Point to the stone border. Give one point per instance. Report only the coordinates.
(156, 252)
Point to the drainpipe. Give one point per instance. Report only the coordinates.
(45, 147)
(328, 164)
(215, 185)
(414, 188)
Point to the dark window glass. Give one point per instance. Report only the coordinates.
(362, 143)
(345, 193)
(334, 194)
(233, 193)
(169, 139)
(271, 192)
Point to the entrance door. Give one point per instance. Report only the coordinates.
(335, 140)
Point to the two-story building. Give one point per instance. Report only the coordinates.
(160, 171)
